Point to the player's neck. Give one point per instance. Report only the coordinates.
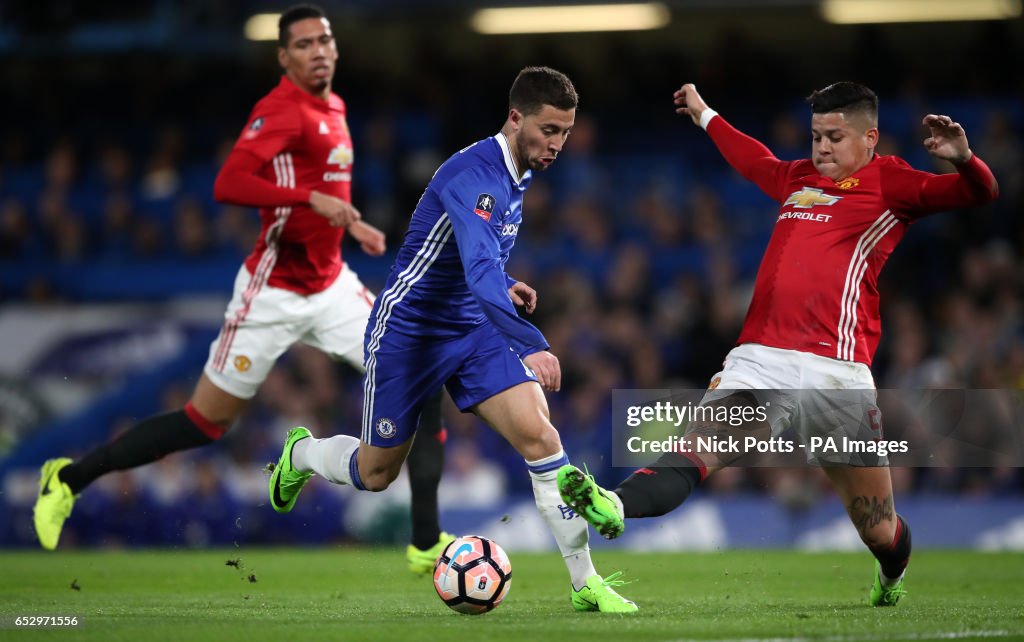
(512, 147)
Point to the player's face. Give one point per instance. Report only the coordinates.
(541, 136)
(840, 146)
(310, 55)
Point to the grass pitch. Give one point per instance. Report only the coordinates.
(367, 594)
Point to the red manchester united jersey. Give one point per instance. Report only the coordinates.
(304, 143)
(817, 286)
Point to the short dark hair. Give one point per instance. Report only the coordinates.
(535, 87)
(292, 15)
(845, 96)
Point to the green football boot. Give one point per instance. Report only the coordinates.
(285, 481)
(599, 595)
(885, 595)
(601, 508)
(53, 504)
(422, 562)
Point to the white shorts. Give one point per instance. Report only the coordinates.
(817, 396)
(259, 326)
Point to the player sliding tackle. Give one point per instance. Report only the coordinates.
(447, 316)
(813, 323)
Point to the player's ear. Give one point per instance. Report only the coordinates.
(282, 57)
(516, 118)
(871, 138)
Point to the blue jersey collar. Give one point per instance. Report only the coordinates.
(510, 163)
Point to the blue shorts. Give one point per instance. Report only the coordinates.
(403, 372)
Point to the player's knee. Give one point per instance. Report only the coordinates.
(378, 479)
(376, 483)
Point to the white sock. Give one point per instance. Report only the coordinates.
(570, 530)
(331, 458)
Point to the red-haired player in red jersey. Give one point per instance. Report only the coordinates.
(813, 324)
(293, 161)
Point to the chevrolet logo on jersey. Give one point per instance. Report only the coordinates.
(340, 155)
(809, 197)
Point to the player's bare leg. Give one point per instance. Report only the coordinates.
(866, 492)
(520, 415)
(216, 405)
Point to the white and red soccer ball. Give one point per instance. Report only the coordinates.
(472, 575)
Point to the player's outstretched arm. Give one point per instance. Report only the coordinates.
(919, 193)
(747, 155)
(689, 102)
(947, 139)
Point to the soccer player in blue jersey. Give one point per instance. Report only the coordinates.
(448, 316)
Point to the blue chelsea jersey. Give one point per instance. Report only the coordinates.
(450, 273)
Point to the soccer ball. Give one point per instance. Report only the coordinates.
(472, 575)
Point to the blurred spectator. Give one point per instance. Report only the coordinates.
(16, 240)
(192, 229)
(118, 227)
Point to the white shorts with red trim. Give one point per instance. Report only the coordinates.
(261, 322)
(816, 396)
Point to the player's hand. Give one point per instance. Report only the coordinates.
(545, 366)
(370, 238)
(523, 296)
(689, 102)
(948, 141)
(335, 210)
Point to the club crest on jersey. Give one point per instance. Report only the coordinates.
(484, 206)
(848, 183)
(386, 428)
(809, 197)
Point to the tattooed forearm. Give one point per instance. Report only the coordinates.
(868, 513)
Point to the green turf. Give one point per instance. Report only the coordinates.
(366, 594)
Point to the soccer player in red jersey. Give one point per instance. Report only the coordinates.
(813, 323)
(293, 161)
